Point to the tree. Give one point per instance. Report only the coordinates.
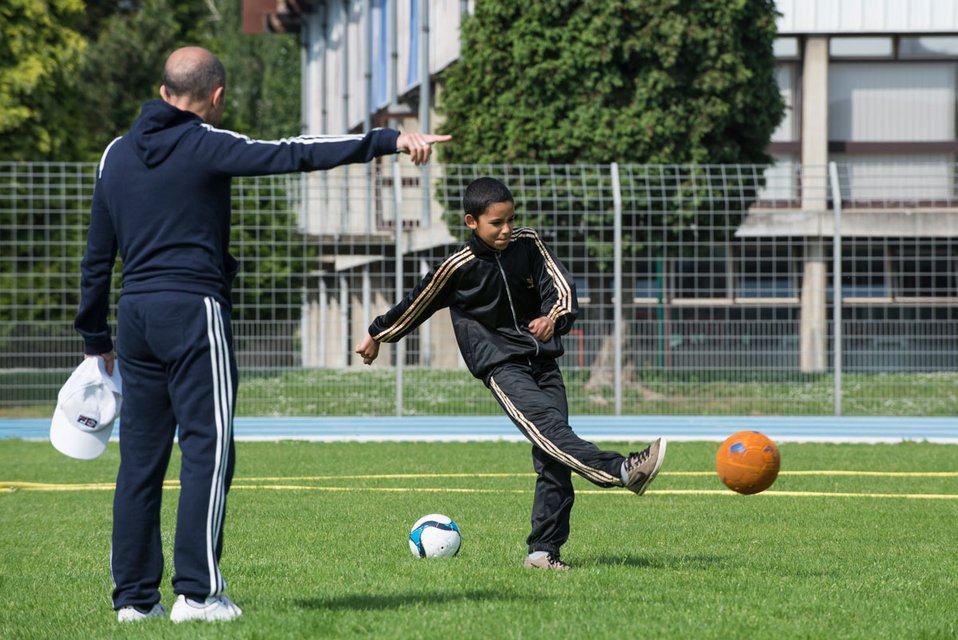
(122, 67)
(263, 86)
(675, 83)
(129, 42)
(647, 81)
(74, 111)
(38, 52)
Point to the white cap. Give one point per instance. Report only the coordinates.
(87, 406)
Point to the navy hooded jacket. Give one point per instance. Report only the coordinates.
(162, 200)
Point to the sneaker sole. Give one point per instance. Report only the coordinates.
(124, 616)
(655, 470)
(529, 565)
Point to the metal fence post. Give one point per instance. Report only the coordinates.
(425, 97)
(401, 345)
(836, 284)
(617, 287)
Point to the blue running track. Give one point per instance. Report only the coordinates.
(597, 428)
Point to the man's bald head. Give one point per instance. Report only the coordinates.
(193, 73)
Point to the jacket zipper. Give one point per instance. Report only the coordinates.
(512, 308)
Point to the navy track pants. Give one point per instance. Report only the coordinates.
(533, 396)
(178, 370)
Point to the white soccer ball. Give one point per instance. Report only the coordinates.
(435, 536)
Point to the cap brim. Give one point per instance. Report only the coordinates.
(73, 441)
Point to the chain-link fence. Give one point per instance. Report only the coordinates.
(736, 290)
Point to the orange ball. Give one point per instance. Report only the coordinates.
(747, 462)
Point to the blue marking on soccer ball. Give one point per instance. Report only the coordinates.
(738, 447)
(435, 536)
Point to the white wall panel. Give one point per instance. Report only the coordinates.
(867, 16)
(852, 13)
(404, 7)
(335, 82)
(444, 33)
(313, 86)
(356, 41)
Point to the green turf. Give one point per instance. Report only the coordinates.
(371, 391)
(329, 559)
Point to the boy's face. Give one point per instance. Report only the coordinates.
(494, 225)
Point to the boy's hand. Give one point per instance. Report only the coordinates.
(368, 349)
(542, 328)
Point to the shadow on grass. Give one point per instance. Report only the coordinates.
(656, 562)
(394, 601)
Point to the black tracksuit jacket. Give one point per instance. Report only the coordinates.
(492, 295)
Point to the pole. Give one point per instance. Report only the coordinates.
(618, 324)
(425, 97)
(836, 284)
(344, 70)
(400, 346)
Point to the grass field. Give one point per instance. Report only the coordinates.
(370, 391)
(853, 541)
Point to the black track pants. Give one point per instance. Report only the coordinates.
(533, 396)
(178, 370)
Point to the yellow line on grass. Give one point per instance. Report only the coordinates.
(14, 485)
(46, 486)
(388, 476)
(293, 487)
(704, 492)
(413, 476)
(803, 494)
(174, 485)
(876, 474)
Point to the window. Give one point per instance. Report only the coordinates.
(787, 131)
(891, 101)
(924, 270)
(703, 277)
(928, 47)
(785, 48)
(766, 272)
(868, 47)
(863, 273)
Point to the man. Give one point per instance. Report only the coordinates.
(162, 200)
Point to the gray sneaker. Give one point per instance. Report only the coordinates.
(547, 561)
(132, 613)
(641, 467)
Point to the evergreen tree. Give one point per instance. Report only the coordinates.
(675, 83)
(644, 81)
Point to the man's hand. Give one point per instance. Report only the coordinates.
(542, 328)
(419, 145)
(368, 349)
(108, 358)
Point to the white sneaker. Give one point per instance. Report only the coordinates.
(213, 609)
(132, 614)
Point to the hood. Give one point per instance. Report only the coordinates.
(158, 130)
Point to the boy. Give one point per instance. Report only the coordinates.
(510, 300)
